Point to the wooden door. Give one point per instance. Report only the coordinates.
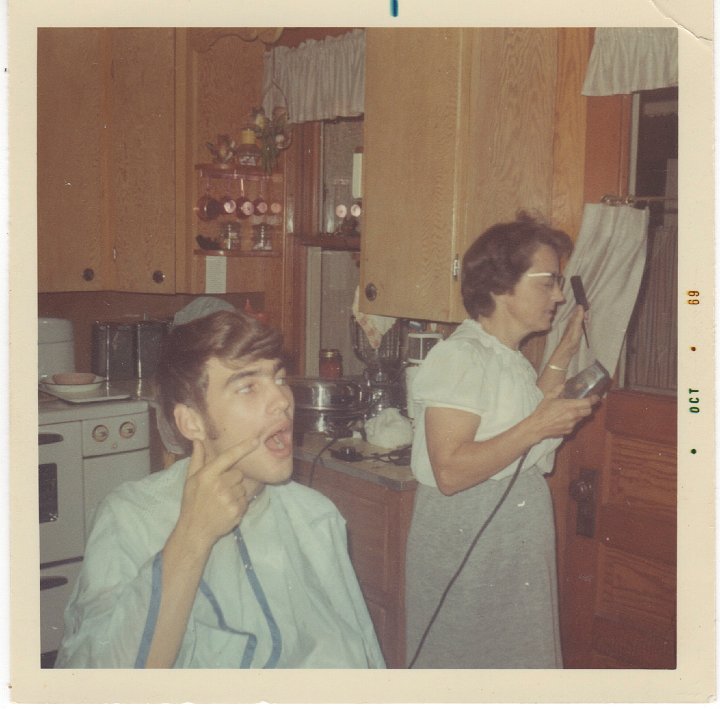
(71, 170)
(142, 159)
(617, 572)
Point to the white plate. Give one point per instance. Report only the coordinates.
(71, 388)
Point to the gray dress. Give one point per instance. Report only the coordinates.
(501, 612)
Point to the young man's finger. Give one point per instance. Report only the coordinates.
(227, 459)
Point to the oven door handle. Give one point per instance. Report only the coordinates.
(45, 439)
(48, 582)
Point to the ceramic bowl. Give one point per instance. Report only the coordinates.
(73, 378)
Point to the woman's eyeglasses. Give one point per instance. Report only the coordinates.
(556, 277)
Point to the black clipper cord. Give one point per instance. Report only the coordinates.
(465, 558)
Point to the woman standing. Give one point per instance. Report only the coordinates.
(480, 408)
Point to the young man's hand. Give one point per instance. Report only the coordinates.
(215, 497)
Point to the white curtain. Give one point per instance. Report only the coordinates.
(609, 256)
(317, 80)
(628, 59)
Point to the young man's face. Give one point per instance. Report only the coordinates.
(246, 401)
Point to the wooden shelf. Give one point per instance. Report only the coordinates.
(234, 172)
(331, 242)
(237, 253)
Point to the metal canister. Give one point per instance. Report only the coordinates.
(330, 364)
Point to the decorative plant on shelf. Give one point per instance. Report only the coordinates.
(273, 135)
(223, 151)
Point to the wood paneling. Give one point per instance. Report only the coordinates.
(608, 146)
(573, 52)
(225, 82)
(302, 180)
(221, 83)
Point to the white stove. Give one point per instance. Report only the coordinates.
(85, 451)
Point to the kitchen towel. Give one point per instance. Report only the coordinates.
(374, 326)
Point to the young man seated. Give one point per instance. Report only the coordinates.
(220, 560)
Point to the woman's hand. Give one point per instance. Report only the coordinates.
(570, 341)
(555, 417)
(556, 368)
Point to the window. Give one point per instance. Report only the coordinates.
(650, 362)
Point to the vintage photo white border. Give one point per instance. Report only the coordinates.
(692, 681)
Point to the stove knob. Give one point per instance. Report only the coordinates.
(127, 429)
(100, 433)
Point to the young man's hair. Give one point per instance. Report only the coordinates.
(499, 256)
(228, 335)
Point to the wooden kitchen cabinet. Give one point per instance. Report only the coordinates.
(124, 117)
(378, 520)
(106, 152)
(463, 128)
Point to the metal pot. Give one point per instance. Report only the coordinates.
(330, 406)
(342, 395)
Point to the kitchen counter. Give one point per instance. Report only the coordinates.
(377, 465)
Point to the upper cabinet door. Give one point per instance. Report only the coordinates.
(459, 134)
(409, 171)
(142, 159)
(106, 160)
(71, 177)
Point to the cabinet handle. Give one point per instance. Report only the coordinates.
(88, 274)
(371, 291)
(158, 276)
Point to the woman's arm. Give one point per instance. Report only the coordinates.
(459, 462)
(555, 370)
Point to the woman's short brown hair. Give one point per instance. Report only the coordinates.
(499, 256)
(228, 335)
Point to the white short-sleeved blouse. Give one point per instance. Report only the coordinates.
(473, 371)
